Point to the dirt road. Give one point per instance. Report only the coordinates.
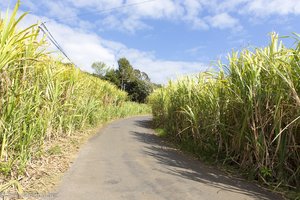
(127, 161)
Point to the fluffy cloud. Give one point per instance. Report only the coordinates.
(73, 32)
(129, 15)
(103, 4)
(259, 7)
(198, 14)
(272, 7)
(84, 48)
(223, 20)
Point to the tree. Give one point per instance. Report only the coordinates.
(100, 69)
(113, 77)
(126, 72)
(135, 82)
(139, 90)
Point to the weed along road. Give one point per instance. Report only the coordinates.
(127, 161)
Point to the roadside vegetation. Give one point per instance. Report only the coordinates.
(135, 82)
(246, 115)
(42, 99)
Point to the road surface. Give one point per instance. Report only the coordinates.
(127, 161)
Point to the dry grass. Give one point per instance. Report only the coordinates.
(44, 173)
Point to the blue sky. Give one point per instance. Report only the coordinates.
(164, 38)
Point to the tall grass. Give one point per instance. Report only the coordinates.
(248, 113)
(41, 99)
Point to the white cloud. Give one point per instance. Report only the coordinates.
(258, 7)
(162, 70)
(197, 14)
(57, 9)
(223, 21)
(154, 10)
(96, 4)
(84, 48)
(270, 7)
(130, 15)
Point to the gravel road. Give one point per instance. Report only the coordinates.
(127, 161)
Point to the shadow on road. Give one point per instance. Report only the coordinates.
(176, 163)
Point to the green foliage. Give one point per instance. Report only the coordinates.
(100, 69)
(247, 113)
(139, 90)
(113, 77)
(136, 83)
(125, 72)
(161, 132)
(265, 172)
(55, 150)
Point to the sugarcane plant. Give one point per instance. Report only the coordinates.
(247, 113)
(42, 98)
